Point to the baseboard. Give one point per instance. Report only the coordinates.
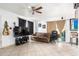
(8, 45)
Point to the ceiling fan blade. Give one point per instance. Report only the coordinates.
(33, 8)
(39, 12)
(39, 8)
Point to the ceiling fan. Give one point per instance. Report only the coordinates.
(36, 9)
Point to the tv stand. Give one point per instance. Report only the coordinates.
(21, 40)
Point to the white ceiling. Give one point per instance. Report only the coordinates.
(50, 10)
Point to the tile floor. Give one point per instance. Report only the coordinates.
(35, 48)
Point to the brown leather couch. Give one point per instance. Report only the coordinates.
(42, 37)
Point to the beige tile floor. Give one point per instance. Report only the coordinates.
(40, 49)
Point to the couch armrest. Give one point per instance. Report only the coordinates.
(34, 34)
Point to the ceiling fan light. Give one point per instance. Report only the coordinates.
(29, 7)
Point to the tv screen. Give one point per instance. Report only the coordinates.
(74, 24)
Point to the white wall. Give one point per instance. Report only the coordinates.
(10, 18)
(78, 21)
(41, 29)
(0, 26)
(17, 8)
(35, 26)
(67, 27)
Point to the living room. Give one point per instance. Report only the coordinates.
(40, 20)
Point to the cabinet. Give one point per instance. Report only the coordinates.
(21, 40)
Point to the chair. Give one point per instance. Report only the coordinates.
(54, 36)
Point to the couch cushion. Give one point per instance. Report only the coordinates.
(44, 37)
(42, 34)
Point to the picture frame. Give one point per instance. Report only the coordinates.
(39, 25)
(74, 24)
(43, 26)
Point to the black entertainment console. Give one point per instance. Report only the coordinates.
(21, 40)
(21, 32)
(21, 35)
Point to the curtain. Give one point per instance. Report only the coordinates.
(60, 25)
(51, 26)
